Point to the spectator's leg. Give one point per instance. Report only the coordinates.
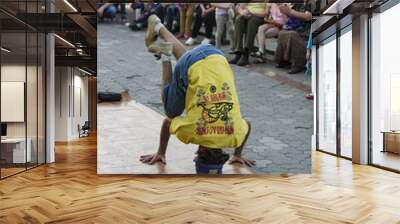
(281, 53)
(272, 32)
(138, 9)
(261, 37)
(220, 20)
(198, 20)
(160, 12)
(122, 10)
(230, 29)
(240, 28)
(298, 50)
(252, 27)
(251, 31)
(209, 23)
(176, 19)
(169, 17)
(189, 17)
(182, 20)
(143, 20)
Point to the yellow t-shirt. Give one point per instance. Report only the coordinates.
(213, 117)
(256, 7)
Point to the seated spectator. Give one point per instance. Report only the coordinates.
(172, 18)
(185, 18)
(121, 8)
(146, 9)
(205, 13)
(270, 29)
(250, 17)
(106, 10)
(292, 40)
(222, 19)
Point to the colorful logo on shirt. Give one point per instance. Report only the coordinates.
(216, 106)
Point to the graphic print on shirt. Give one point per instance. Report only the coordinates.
(216, 103)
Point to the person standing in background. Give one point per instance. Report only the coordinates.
(121, 8)
(185, 18)
(172, 17)
(221, 18)
(205, 13)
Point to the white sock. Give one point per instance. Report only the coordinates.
(261, 49)
(157, 27)
(165, 58)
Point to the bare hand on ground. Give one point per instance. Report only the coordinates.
(242, 160)
(153, 158)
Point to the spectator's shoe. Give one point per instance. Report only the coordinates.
(295, 70)
(191, 41)
(259, 57)
(206, 41)
(151, 34)
(282, 64)
(158, 49)
(309, 96)
(236, 58)
(180, 36)
(124, 19)
(244, 60)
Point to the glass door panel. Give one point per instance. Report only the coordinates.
(346, 94)
(327, 96)
(14, 154)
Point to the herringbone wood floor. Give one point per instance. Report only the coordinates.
(69, 191)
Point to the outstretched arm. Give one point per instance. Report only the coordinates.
(159, 156)
(237, 156)
(164, 133)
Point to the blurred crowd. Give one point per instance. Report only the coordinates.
(242, 29)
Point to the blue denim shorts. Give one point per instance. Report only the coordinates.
(175, 92)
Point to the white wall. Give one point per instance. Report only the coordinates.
(71, 102)
(17, 73)
(62, 82)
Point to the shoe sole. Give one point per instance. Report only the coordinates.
(162, 48)
(150, 36)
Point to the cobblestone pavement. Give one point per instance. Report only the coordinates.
(280, 115)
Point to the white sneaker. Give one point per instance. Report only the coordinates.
(190, 41)
(206, 41)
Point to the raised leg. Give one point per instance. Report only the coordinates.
(166, 75)
(178, 49)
